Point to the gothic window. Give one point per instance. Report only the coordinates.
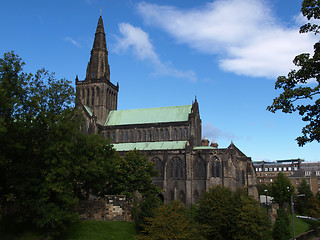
(159, 166)
(92, 96)
(131, 136)
(171, 169)
(215, 168)
(180, 134)
(175, 136)
(185, 133)
(108, 135)
(88, 96)
(126, 137)
(167, 134)
(162, 134)
(98, 95)
(139, 136)
(243, 178)
(114, 136)
(82, 93)
(176, 169)
(199, 169)
(149, 135)
(121, 136)
(157, 135)
(144, 135)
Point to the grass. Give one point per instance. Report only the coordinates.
(300, 226)
(83, 230)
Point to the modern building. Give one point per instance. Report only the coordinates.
(169, 136)
(268, 171)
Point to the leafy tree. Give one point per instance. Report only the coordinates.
(281, 190)
(302, 204)
(299, 95)
(46, 164)
(262, 188)
(223, 214)
(281, 226)
(135, 174)
(171, 221)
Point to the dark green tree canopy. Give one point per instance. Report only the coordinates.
(281, 189)
(301, 88)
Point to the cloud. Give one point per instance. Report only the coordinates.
(138, 41)
(214, 133)
(74, 42)
(248, 39)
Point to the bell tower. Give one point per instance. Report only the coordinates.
(97, 95)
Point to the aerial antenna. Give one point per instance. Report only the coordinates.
(100, 11)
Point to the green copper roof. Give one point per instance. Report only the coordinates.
(148, 115)
(203, 148)
(147, 146)
(88, 109)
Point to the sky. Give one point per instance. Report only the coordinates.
(226, 53)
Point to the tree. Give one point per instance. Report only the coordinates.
(281, 190)
(299, 95)
(302, 204)
(281, 226)
(223, 214)
(46, 163)
(171, 221)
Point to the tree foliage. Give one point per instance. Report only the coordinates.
(281, 189)
(299, 95)
(302, 204)
(47, 165)
(281, 226)
(223, 214)
(171, 221)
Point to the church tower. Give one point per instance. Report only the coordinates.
(96, 94)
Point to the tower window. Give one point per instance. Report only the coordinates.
(92, 96)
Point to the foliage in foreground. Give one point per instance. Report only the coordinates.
(47, 165)
(223, 214)
(171, 221)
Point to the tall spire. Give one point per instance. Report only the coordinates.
(98, 68)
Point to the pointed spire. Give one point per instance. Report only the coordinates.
(98, 67)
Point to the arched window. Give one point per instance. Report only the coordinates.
(185, 133)
(139, 136)
(92, 96)
(144, 134)
(98, 95)
(149, 135)
(167, 134)
(88, 96)
(161, 134)
(180, 133)
(157, 135)
(159, 166)
(175, 136)
(131, 135)
(126, 137)
(121, 136)
(83, 93)
(114, 136)
(199, 169)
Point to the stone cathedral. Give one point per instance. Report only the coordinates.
(170, 137)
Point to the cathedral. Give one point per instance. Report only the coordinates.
(170, 137)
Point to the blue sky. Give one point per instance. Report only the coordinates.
(227, 53)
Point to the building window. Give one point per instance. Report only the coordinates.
(161, 134)
(270, 169)
(275, 169)
(260, 169)
(280, 169)
(307, 173)
(266, 169)
(126, 137)
(149, 135)
(175, 136)
(167, 134)
(271, 180)
(114, 136)
(295, 168)
(144, 135)
(317, 173)
(121, 136)
(180, 134)
(131, 135)
(157, 135)
(284, 168)
(289, 168)
(92, 96)
(185, 133)
(88, 96)
(139, 136)
(257, 169)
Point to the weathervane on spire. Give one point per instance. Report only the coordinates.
(100, 11)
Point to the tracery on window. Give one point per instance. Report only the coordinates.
(199, 169)
(167, 134)
(144, 135)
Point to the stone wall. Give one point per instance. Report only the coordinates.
(109, 208)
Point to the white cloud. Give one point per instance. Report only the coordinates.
(248, 39)
(137, 40)
(74, 42)
(213, 133)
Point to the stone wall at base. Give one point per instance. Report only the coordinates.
(109, 208)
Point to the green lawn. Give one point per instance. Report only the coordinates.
(83, 230)
(300, 226)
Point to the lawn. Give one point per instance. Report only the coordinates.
(83, 230)
(300, 226)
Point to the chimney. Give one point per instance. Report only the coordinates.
(205, 142)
